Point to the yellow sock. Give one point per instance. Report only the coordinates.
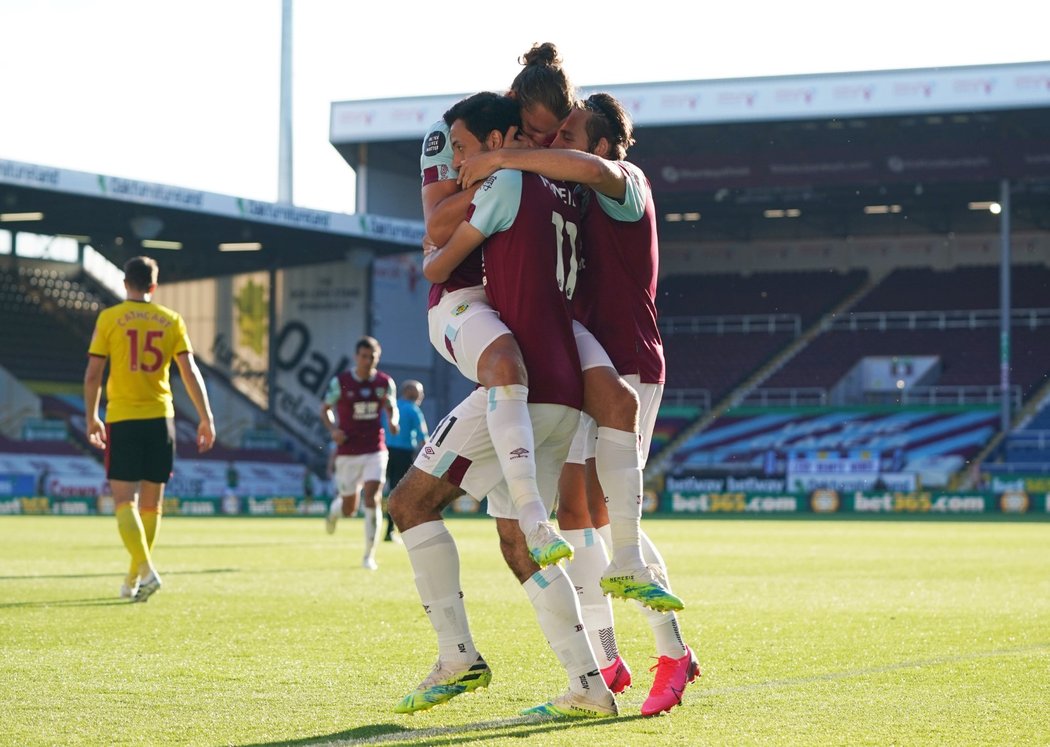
(130, 526)
(150, 524)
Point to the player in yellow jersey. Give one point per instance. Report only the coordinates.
(140, 339)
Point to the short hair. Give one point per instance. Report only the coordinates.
(542, 80)
(611, 121)
(369, 343)
(141, 272)
(411, 387)
(484, 112)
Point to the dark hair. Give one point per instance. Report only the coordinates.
(609, 120)
(484, 112)
(141, 272)
(543, 81)
(370, 343)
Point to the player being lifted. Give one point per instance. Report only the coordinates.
(463, 326)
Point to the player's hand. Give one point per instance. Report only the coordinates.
(479, 167)
(395, 428)
(429, 247)
(338, 436)
(516, 139)
(205, 436)
(96, 433)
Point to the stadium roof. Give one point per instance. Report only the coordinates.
(116, 216)
(913, 147)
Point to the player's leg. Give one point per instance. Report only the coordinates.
(158, 462)
(132, 534)
(374, 475)
(553, 597)
(502, 371)
(589, 559)
(614, 407)
(150, 504)
(676, 664)
(470, 334)
(399, 462)
(549, 589)
(416, 505)
(138, 450)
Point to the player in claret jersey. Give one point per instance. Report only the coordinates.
(357, 397)
(463, 326)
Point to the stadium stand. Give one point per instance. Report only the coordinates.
(974, 287)
(742, 442)
(49, 315)
(807, 294)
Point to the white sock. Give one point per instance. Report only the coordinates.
(585, 570)
(511, 431)
(619, 466)
(606, 534)
(335, 509)
(663, 624)
(435, 560)
(372, 519)
(554, 599)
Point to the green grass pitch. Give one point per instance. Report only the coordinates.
(268, 631)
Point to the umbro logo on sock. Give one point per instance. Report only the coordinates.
(519, 453)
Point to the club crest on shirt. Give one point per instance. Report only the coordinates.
(460, 309)
(380, 391)
(434, 144)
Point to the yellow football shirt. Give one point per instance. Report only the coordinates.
(140, 338)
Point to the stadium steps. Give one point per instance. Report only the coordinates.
(969, 477)
(656, 470)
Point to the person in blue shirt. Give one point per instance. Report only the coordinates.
(404, 445)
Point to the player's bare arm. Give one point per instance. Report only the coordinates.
(444, 208)
(328, 420)
(576, 166)
(439, 262)
(94, 429)
(194, 382)
(393, 415)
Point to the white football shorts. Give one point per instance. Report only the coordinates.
(462, 325)
(585, 441)
(459, 450)
(353, 470)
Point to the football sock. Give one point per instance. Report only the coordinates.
(335, 508)
(150, 524)
(435, 561)
(664, 625)
(585, 570)
(129, 524)
(619, 468)
(372, 520)
(510, 429)
(554, 599)
(606, 534)
(150, 518)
